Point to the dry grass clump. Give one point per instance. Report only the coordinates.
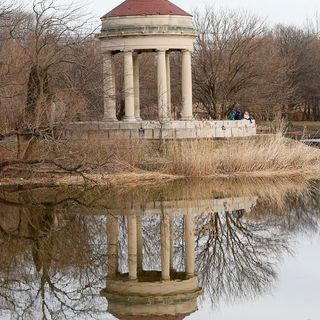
(255, 156)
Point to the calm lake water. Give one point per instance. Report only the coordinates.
(188, 249)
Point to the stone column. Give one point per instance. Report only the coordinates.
(162, 85)
(139, 244)
(165, 246)
(136, 81)
(189, 244)
(168, 84)
(132, 246)
(109, 88)
(128, 87)
(186, 83)
(112, 238)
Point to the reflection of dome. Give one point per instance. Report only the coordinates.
(173, 298)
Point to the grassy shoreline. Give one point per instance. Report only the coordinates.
(143, 162)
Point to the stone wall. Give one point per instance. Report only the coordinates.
(179, 206)
(166, 130)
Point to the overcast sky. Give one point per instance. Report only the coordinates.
(276, 11)
(292, 12)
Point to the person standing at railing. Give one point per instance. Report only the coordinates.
(247, 116)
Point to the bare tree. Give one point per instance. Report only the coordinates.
(56, 39)
(224, 58)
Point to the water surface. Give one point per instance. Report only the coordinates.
(193, 249)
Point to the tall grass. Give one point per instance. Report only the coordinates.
(260, 156)
(198, 158)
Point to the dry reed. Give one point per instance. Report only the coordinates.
(260, 156)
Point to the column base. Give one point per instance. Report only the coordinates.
(164, 120)
(190, 275)
(186, 118)
(126, 119)
(106, 119)
(133, 279)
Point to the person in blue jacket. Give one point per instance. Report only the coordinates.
(238, 115)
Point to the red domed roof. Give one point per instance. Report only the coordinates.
(146, 7)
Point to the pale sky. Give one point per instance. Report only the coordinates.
(276, 11)
(294, 12)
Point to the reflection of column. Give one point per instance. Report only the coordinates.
(109, 88)
(189, 243)
(136, 81)
(165, 246)
(186, 83)
(132, 246)
(171, 241)
(162, 85)
(128, 87)
(168, 84)
(139, 244)
(112, 237)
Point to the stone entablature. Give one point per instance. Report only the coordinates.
(194, 207)
(152, 288)
(137, 30)
(146, 24)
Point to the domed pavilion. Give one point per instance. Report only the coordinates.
(158, 27)
(137, 26)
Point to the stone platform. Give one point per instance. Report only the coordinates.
(175, 129)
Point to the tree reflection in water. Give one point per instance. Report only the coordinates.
(236, 256)
(50, 263)
(53, 243)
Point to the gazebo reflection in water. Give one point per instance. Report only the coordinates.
(166, 291)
